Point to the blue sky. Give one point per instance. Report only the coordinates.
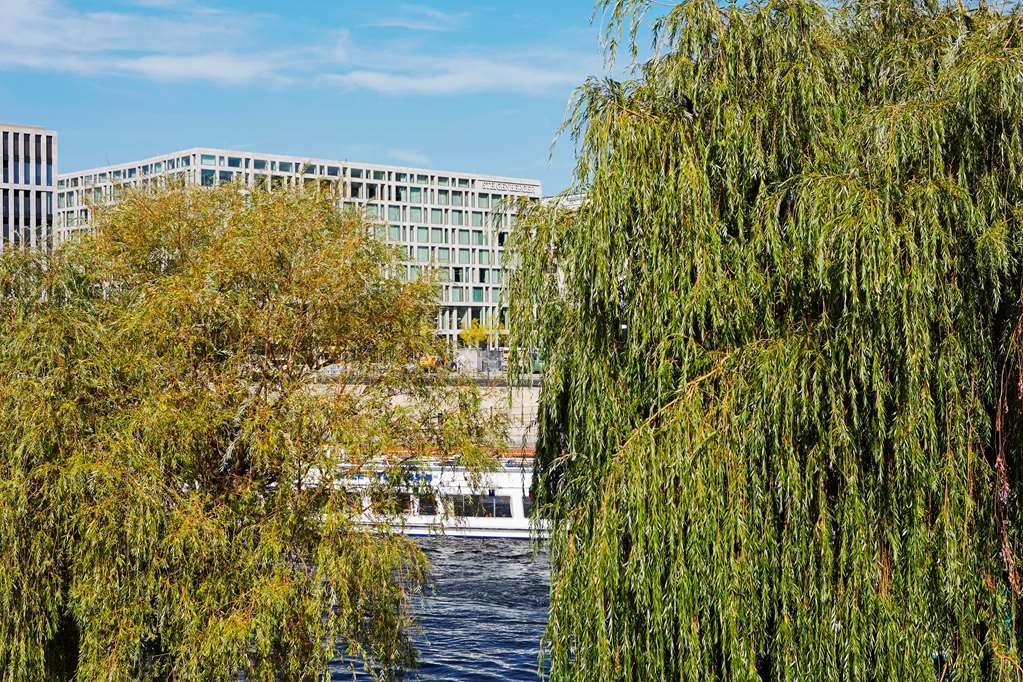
(474, 85)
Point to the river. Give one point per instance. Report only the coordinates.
(485, 614)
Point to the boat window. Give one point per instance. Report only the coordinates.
(481, 506)
(427, 505)
(391, 503)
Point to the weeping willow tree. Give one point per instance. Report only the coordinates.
(780, 416)
(177, 498)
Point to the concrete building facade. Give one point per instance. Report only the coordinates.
(28, 170)
(455, 223)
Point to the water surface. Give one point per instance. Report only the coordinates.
(485, 615)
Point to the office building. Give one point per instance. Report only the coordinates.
(454, 222)
(29, 158)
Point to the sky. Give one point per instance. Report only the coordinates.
(466, 85)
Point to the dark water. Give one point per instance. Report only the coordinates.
(486, 613)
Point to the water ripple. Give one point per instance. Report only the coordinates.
(485, 614)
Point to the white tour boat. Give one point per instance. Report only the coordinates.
(496, 504)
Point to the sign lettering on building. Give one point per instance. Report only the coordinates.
(495, 186)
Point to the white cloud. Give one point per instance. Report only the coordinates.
(523, 72)
(216, 67)
(409, 156)
(421, 18)
(186, 40)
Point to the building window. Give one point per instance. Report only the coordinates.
(437, 235)
(423, 254)
(26, 175)
(423, 235)
(49, 159)
(477, 219)
(394, 233)
(456, 217)
(37, 143)
(477, 294)
(464, 256)
(208, 177)
(415, 214)
(436, 216)
(457, 294)
(394, 213)
(463, 236)
(480, 506)
(483, 201)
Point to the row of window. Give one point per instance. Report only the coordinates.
(361, 191)
(463, 506)
(435, 216)
(416, 214)
(26, 215)
(27, 158)
(421, 234)
(443, 254)
(121, 174)
(330, 171)
(416, 195)
(476, 295)
(109, 192)
(416, 189)
(454, 319)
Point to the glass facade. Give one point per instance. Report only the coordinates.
(429, 217)
(28, 159)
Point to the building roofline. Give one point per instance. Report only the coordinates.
(27, 127)
(301, 159)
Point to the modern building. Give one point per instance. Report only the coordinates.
(456, 223)
(29, 158)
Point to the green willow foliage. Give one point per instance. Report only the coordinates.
(780, 416)
(170, 505)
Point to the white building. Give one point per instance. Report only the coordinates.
(454, 222)
(29, 162)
